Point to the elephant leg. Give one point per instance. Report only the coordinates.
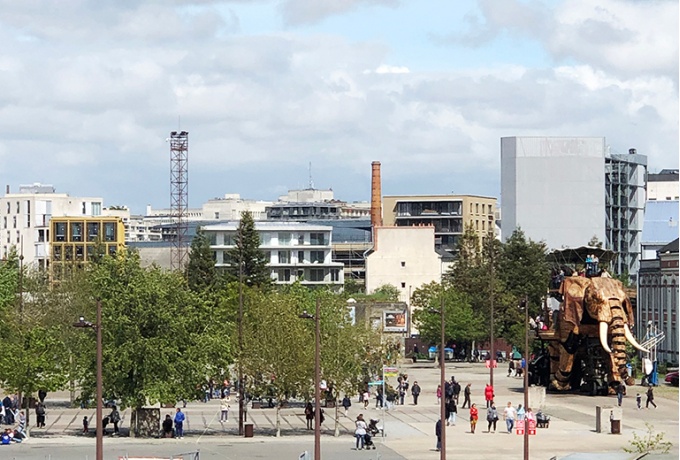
(554, 351)
(563, 374)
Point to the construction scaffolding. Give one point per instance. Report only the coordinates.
(179, 195)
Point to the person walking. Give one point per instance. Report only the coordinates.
(488, 395)
(474, 416)
(638, 400)
(620, 392)
(509, 414)
(456, 389)
(520, 412)
(360, 431)
(466, 393)
(491, 418)
(86, 425)
(511, 367)
(415, 392)
(40, 415)
(346, 403)
(224, 408)
(179, 423)
(438, 432)
(451, 411)
(365, 398)
(439, 394)
(309, 415)
(650, 398)
(114, 417)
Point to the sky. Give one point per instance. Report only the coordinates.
(270, 90)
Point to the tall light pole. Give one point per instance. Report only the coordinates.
(442, 376)
(317, 378)
(493, 339)
(525, 373)
(241, 390)
(98, 328)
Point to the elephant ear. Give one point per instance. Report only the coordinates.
(572, 291)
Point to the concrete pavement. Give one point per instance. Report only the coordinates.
(409, 428)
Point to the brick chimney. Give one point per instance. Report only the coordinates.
(376, 196)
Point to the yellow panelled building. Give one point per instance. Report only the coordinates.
(74, 240)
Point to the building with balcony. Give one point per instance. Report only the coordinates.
(294, 251)
(25, 219)
(449, 215)
(76, 240)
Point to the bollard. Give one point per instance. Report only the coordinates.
(248, 430)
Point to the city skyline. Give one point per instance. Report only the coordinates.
(265, 88)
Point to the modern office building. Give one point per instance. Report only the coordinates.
(74, 241)
(295, 251)
(447, 214)
(566, 191)
(26, 219)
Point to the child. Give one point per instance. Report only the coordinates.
(638, 400)
(85, 425)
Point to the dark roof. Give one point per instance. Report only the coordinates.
(670, 247)
(666, 175)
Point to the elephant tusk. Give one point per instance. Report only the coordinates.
(603, 336)
(631, 339)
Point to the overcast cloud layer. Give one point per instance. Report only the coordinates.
(91, 89)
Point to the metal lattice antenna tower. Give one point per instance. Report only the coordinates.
(179, 195)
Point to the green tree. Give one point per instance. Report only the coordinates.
(386, 293)
(460, 321)
(247, 254)
(201, 272)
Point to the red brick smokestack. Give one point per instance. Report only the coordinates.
(376, 196)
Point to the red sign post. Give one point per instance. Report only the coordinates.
(519, 427)
(491, 363)
(532, 427)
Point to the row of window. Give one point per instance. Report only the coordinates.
(282, 257)
(95, 208)
(281, 238)
(70, 252)
(489, 208)
(75, 231)
(285, 275)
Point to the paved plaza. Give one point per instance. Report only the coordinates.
(409, 428)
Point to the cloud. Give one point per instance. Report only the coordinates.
(297, 12)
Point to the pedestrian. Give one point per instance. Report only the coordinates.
(509, 414)
(511, 367)
(438, 432)
(650, 398)
(360, 431)
(86, 425)
(378, 398)
(415, 392)
(42, 394)
(488, 395)
(520, 412)
(114, 417)
(346, 403)
(40, 415)
(451, 411)
(309, 415)
(466, 393)
(224, 408)
(474, 415)
(402, 392)
(2, 413)
(21, 428)
(638, 400)
(365, 397)
(167, 427)
(529, 416)
(456, 389)
(179, 423)
(415, 352)
(620, 392)
(439, 394)
(491, 418)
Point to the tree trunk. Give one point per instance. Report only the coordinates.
(337, 421)
(278, 420)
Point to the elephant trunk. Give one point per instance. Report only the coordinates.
(618, 333)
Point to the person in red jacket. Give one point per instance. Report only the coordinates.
(488, 394)
(474, 416)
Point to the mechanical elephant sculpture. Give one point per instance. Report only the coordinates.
(594, 324)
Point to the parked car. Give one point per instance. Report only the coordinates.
(672, 378)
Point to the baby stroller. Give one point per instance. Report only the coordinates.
(542, 420)
(372, 431)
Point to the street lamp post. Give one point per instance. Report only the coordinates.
(493, 339)
(442, 377)
(525, 373)
(241, 390)
(317, 375)
(98, 328)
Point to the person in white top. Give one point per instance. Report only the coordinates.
(510, 414)
(360, 431)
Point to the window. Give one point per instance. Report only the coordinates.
(68, 252)
(18, 208)
(9, 209)
(284, 257)
(477, 208)
(228, 239)
(316, 274)
(403, 263)
(112, 249)
(316, 257)
(301, 239)
(267, 256)
(4, 222)
(41, 236)
(84, 208)
(60, 231)
(217, 215)
(96, 208)
(79, 252)
(265, 239)
(109, 231)
(403, 285)
(56, 252)
(28, 206)
(301, 257)
(18, 237)
(335, 275)
(284, 274)
(212, 238)
(483, 225)
(284, 239)
(317, 239)
(14, 221)
(93, 231)
(76, 231)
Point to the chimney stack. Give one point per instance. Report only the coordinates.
(376, 196)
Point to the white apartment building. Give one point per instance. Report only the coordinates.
(663, 186)
(228, 207)
(295, 251)
(25, 219)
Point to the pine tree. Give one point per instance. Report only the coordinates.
(247, 253)
(201, 272)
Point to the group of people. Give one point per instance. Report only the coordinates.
(168, 431)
